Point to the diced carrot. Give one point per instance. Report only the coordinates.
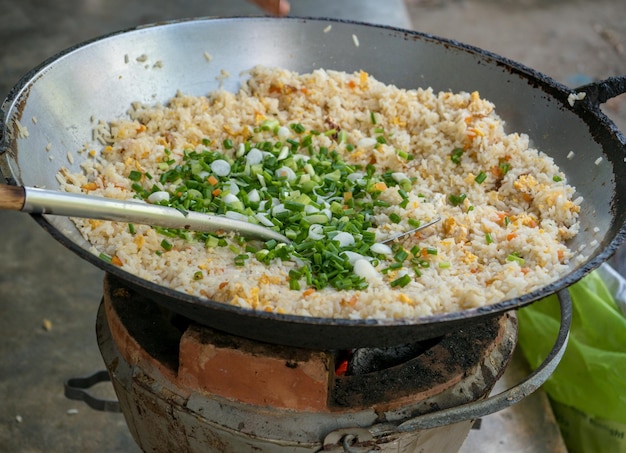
(511, 236)
(351, 84)
(89, 186)
(530, 222)
(216, 192)
(560, 255)
(501, 217)
(308, 292)
(115, 260)
(275, 88)
(141, 128)
(223, 284)
(212, 180)
(525, 270)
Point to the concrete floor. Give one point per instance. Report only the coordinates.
(49, 297)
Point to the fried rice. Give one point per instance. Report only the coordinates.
(506, 209)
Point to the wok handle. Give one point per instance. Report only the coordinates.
(511, 396)
(597, 93)
(78, 389)
(481, 408)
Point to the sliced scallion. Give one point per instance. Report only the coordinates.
(456, 155)
(401, 281)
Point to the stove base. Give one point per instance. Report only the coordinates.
(171, 402)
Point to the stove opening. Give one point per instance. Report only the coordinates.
(370, 360)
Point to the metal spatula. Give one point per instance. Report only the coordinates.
(40, 201)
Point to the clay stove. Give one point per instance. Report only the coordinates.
(184, 387)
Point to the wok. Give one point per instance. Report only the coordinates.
(57, 101)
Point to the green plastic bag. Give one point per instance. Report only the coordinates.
(588, 388)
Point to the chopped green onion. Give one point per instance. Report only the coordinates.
(402, 281)
(404, 155)
(211, 242)
(401, 255)
(480, 178)
(166, 245)
(103, 256)
(488, 238)
(294, 284)
(414, 223)
(557, 178)
(131, 228)
(444, 264)
(198, 275)
(395, 218)
(240, 260)
(456, 200)
(456, 155)
(134, 175)
(515, 257)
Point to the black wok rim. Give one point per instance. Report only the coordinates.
(549, 86)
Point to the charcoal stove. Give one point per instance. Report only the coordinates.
(188, 388)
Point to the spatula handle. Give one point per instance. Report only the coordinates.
(12, 197)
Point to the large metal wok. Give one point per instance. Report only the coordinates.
(58, 101)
